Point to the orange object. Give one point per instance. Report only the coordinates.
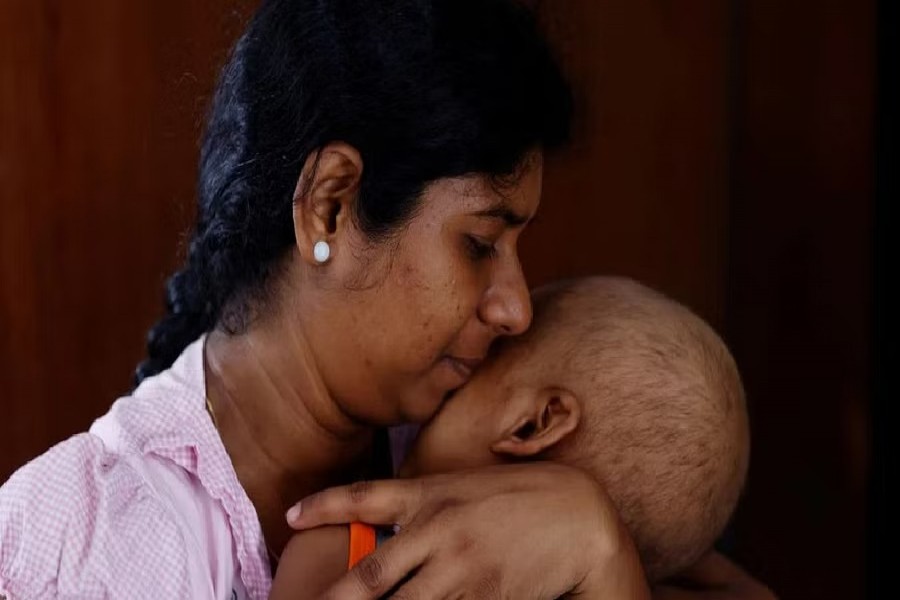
(362, 543)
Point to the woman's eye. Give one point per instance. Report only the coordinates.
(479, 249)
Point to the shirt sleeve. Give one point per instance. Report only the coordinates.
(80, 522)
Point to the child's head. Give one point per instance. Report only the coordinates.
(626, 384)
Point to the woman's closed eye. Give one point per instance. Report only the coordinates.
(479, 248)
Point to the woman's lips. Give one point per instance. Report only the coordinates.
(464, 367)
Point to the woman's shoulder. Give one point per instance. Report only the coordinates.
(80, 519)
(74, 477)
(57, 485)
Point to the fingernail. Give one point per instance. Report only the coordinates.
(294, 512)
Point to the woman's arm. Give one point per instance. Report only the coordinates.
(524, 531)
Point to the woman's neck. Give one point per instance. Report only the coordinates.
(285, 435)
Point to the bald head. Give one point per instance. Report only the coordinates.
(664, 424)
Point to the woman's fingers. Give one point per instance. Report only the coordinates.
(387, 502)
(422, 565)
(533, 531)
(383, 570)
(437, 580)
(397, 501)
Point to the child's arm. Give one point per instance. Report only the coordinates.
(311, 562)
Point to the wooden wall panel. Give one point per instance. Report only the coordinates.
(100, 106)
(643, 189)
(799, 297)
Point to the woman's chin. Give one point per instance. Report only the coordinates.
(423, 405)
(422, 410)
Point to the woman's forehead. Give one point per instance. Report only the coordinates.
(512, 201)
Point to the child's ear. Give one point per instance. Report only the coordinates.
(539, 423)
(326, 189)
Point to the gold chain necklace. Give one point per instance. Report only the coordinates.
(212, 414)
(273, 556)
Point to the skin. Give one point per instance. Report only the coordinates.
(378, 335)
(517, 406)
(714, 578)
(478, 534)
(381, 334)
(509, 410)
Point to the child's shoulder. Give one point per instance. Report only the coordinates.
(311, 562)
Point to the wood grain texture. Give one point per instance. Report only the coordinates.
(100, 108)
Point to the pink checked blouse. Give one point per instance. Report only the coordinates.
(144, 505)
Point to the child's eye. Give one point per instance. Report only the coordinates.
(479, 249)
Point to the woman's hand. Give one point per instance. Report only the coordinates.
(537, 531)
(713, 578)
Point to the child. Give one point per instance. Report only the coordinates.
(612, 378)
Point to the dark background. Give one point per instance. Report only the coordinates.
(725, 153)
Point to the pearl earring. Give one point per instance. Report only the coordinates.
(322, 252)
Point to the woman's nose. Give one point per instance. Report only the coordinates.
(507, 303)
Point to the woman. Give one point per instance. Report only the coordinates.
(366, 172)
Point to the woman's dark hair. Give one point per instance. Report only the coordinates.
(423, 89)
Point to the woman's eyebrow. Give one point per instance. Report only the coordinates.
(508, 215)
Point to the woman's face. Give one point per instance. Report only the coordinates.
(399, 324)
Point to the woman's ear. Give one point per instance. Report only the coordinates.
(538, 423)
(323, 199)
